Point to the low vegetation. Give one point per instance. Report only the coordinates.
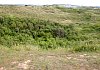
(49, 38)
(81, 35)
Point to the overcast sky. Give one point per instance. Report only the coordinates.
(43, 2)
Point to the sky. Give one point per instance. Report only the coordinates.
(46, 2)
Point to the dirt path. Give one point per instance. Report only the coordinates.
(33, 60)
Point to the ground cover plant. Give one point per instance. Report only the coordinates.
(81, 35)
(49, 38)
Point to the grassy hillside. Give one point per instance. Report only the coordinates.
(49, 38)
(52, 13)
(50, 27)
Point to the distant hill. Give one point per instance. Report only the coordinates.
(63, 5)
(76, 6)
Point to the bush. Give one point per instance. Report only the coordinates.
(58, 33)
(46, 34)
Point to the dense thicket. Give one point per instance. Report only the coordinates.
(50, 27)
(46, 34)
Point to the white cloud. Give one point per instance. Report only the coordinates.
(39, 2)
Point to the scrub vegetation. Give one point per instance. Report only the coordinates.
(22, 26)
(49, 37)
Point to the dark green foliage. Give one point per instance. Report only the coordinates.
(1, 19)
(58, 33)
(46, 34)
(87, 16)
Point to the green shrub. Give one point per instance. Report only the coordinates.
(58, 33)
(85, 48)
(47, 34)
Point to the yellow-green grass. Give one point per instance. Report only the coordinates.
(51, 13)
(38, 59)
(74, 56)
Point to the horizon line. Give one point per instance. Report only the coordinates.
(46, 4)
